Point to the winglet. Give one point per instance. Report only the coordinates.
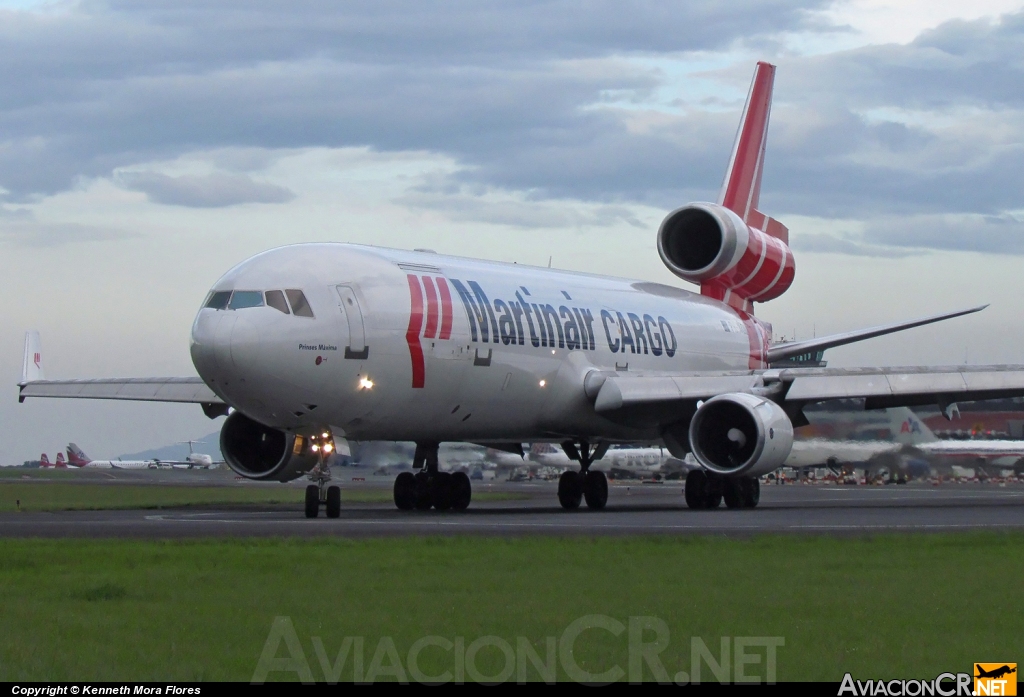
(32, 364)
(742, 186)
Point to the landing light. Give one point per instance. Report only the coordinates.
(315, 447)
(365, 384)
(328, 447)
(543, 382)
(324, 435)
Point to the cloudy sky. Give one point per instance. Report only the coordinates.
(146, 147)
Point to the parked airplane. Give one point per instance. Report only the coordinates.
(78, 458)
(898, 441)
(620, 461)
(305, 343)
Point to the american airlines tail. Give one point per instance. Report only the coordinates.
(76, 457)
(908, 429)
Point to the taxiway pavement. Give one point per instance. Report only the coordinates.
(632, 509)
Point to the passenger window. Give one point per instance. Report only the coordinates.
(218, 300)
(275, 299)
(298, 302)
(241, 299)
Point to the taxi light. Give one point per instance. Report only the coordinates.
(315, 447)
(324, 435)
(543, 383)
(365, 384)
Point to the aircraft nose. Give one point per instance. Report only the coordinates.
(202, 347)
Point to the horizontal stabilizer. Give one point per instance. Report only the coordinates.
(796, 348)
(188, 390)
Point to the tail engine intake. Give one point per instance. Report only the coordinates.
(741, 434)
(709, 244)
(259, 452)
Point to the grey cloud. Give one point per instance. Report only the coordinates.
(901, 236)
(203, 191)
(106, 85)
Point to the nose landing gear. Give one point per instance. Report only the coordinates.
(319, 494)
(591, 486)
(431, 488)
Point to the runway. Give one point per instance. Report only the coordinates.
(636, 509)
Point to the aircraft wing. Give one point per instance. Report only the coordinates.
(186, 390)
(795, 387)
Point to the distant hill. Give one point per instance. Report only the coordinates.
(208, 445)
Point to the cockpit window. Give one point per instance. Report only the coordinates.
(241, 299)
(275, 299)
(218, 299)
(298, 302)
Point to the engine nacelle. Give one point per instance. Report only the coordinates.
(711, 245)
(741, 434)
(260, 452)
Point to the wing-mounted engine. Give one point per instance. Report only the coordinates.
(735, 252)
(260, 452)
(741, 434)
(711, 245)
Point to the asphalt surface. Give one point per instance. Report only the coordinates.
(632, 509)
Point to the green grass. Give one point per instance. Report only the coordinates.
(66, 496)
(890, 606)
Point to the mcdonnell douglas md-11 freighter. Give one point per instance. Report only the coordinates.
(310, 342)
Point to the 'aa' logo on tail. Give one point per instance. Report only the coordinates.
(430, 317)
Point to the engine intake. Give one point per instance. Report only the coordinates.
(741, 434)
(711, 245)
(260, 452)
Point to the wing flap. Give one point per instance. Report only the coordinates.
(185, 390)
(623, 391)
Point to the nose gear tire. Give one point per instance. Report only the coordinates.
(312, 501)
(333, 502)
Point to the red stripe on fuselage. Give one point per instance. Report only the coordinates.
(431, 330)
(412, 334)
(446, 309)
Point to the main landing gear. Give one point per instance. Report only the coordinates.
(320, 494)
(706, 490)
(430, 488)
(591, 486)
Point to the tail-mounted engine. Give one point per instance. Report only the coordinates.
(256, 451)
(741, 434)
(709, 244)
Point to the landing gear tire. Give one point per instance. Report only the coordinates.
(312, 501)
(441, 491)
(695, 489)
(570, 490)
(461, 491)
(423, 494)
(750, 491)
(732, 492)
(405, 491)
(741, 492)
(595, 490)
(333, 502)
(703, 490)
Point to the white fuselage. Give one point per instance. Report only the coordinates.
(387, 356)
